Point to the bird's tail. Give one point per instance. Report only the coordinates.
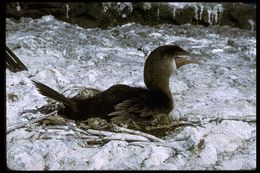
(13, 63)
(48, 92)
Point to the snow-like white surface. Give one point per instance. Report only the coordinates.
(220, 92)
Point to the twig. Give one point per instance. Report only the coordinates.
(244, 119)
(218, 118)
(248, 118)
(66, 128)
(174, 125)
(126, 137)
(100, 132)
(153, 138)
(22, 124)
(102, 135)
(117, 136)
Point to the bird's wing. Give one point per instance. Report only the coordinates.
(132, 108)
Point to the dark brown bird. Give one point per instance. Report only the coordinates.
(12, 61)
(126, 101)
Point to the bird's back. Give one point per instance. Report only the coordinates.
(104, 102)
(120, 100)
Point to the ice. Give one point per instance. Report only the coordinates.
(18, 7)
(252, 23)
(220, 92)
(214, 10)
(67, 10)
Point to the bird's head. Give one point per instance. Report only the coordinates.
(161, 64)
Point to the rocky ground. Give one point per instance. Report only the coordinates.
(218, 96)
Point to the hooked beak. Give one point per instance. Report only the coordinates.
(181, 58)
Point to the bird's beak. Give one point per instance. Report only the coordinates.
(183, 58)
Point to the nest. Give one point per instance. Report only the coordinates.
(160, 125)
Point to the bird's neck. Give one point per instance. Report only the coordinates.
(162, 92)
(163, 98)
(164, 89)
(159, 84)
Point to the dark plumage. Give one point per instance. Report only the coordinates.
(12, 61)
(120, 101)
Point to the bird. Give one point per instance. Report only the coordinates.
(122, 102)
(12, 62)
